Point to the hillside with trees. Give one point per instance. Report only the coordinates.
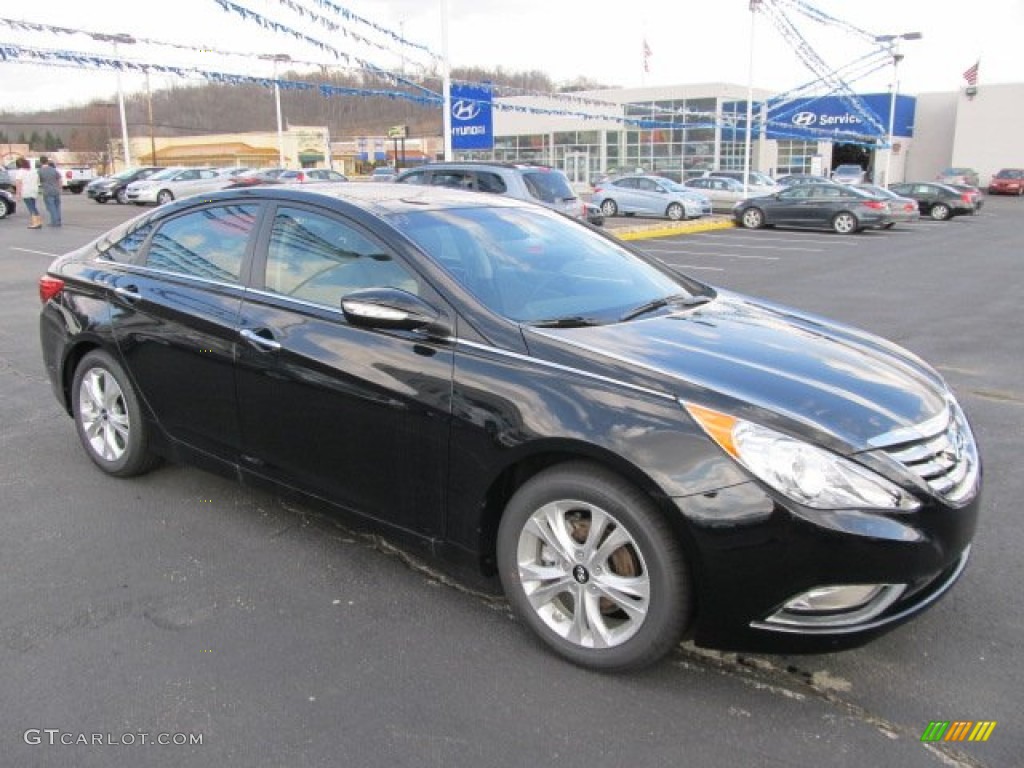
(191, 109)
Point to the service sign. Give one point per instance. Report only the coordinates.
(836, 118)
(472, 125)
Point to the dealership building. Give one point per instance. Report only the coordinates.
(687, 129)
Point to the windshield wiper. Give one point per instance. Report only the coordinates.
(682, 299)
(574, 321)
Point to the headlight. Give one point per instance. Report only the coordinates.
(800, 471)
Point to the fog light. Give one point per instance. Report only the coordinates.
(839, 605)
(831, 599)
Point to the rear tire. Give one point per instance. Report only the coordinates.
(590, 565)
(108, 417)
(609, 208)
(753, 218)
(844, 223)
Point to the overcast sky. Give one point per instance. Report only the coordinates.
(691, 41)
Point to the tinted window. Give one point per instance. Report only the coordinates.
(453, 179)
(123, 244)
(491, 182)
(549, 186)
(416, 177)
(209, 243)
(320, 259)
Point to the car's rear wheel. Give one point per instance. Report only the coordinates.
(122, 197)
(609, 208)
(940, 211)
(108, 417)
(676, 212)
(164, 196)
(844, 223)
(753, 218)
(589, 564)
(4, 211)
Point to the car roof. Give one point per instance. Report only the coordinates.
(378, 198)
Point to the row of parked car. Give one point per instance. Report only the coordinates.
(159, 185)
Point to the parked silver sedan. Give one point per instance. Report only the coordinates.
(649, 196)
(174, 184)
(901, 209)
(724, 193)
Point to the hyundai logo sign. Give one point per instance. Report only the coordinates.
(805, 119)
(464, 111)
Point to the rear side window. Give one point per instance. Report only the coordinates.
(124, 246)
(209, 243)
(490, 182)
(416, 177)
(548, 186)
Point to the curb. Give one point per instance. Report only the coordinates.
(668, 230)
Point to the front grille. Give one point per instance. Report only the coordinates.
(943, 454)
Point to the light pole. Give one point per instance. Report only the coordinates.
(893, 42)
(120, 37)
(278, 57)
(750, 100)
(446, 85)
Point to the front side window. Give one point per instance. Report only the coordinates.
(209, 243)
(321, 259)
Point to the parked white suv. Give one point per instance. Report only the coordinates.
(535, 183)
(757, 183)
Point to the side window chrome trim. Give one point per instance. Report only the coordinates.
(169, 273)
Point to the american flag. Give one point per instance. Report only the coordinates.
(647, 56)
(971, 74)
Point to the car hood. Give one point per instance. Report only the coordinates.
(818, 375)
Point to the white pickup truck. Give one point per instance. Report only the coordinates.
(72, 177)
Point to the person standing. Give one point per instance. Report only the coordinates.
(49, 182)
(26, 186)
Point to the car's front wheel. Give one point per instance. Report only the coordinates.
(609, 208)
(164, 196)
(589, 564)
(109, 418)
(676, 212)
(122, 197)
(940, 211)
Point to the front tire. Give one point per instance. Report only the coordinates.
(589, 564)
(940, 212)
(164, 196)
(676, 212)
(844, 223)
(122, 197)
(108, 417)
(753, 218)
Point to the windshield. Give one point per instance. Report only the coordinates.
(165, 174)
(534, 266)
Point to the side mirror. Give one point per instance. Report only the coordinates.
(390, 308)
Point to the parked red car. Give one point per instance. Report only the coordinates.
(1009, 181)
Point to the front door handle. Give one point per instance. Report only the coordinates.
(262, 342)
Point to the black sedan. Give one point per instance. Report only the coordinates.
(940, 201)
(826, 206)
(638, 457)
(114, 187)
(8, 204)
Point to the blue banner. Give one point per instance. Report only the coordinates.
(472, 123)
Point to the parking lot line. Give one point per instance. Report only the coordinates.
(775, 247)
(758, 257)
(690, 266)
(38, 253)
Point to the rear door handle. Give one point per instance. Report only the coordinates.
(262, 342)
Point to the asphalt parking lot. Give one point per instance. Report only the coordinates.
(182, 605)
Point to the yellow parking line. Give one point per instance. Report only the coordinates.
(668, 230)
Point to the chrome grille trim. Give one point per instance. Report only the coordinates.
(940, 451)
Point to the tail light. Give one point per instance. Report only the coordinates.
(49, 288)
(67, 175)
(598, 189)
(967, 198)
(910, 207)
(876, 205)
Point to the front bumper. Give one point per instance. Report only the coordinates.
(754, 555)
